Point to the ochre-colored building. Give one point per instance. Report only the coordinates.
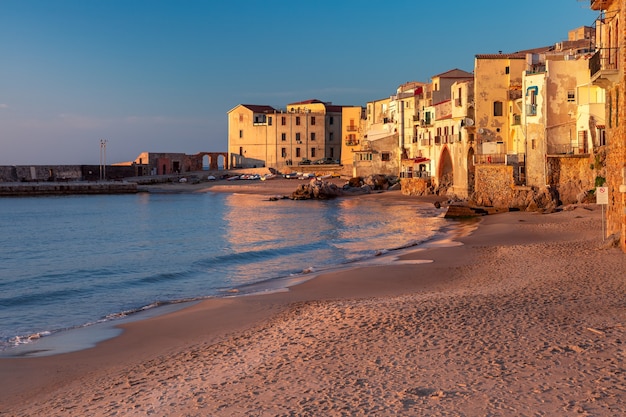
(262, 136)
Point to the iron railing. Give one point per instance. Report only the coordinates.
(605, 59)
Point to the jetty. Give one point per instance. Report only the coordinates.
(66, 188)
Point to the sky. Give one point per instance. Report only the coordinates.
(161, 76)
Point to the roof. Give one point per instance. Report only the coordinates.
(310, 101)
(259, 108)
(516, 55)
(454, 73)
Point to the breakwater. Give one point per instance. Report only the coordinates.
(64, 188)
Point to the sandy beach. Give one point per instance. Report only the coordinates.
(525, 316)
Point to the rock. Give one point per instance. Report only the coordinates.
(316, 189)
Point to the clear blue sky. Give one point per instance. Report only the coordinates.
(160, 76)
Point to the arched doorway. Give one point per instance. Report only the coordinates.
(445, 173)
(471, 171)
(206, 162)
(221, 162)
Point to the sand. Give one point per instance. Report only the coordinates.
(525, 317)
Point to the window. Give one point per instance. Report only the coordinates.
(312, 152)
(507, 70)
(240, 133)
(240, 151)
(532, 144)
(283, 137)
(531, 106)
(283, 152)
(312, 135)
(385, 156)
(497, 108)
(330, 136)
(283, 121)
(332, 152)
(297, 152)
(331, 120)
(269, 121)
(571, 96)
(312, 120)
(298, 137)
(241, 118)
(297, 120)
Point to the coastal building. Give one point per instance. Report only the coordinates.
(262, 136)
(378, 152)
(353, 133)
(498, 85)
(607, 68)
(537, 119)
(563, 117)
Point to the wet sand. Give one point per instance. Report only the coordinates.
(525, 317)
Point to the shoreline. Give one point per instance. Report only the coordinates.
(501, 298)
(62, 341)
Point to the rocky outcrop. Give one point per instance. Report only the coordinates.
(316, 189)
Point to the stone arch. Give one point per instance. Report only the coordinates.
(216, 160)
(445, 171)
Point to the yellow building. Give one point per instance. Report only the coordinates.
(353, 133)
(607, 67)
(262, 136)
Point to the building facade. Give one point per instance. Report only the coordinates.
(262, 136)
(607, 71)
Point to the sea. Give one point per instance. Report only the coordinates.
(88, 261)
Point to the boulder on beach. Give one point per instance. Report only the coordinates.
(316, 189)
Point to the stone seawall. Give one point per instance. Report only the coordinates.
(65, 188)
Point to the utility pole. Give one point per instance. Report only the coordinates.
(103, 159)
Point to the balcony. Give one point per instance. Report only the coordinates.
(492, 158)
(531, 110)
(352, 142)
(568, 149)
(352, 128)
(515, 95)
(600, 4)
(603, 67)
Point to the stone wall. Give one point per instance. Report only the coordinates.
(494, 185)
(415, 186)
(572, 177)
(31, 173)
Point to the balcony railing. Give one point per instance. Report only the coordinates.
(604, 59)
(352, 128)
(531, 110)
(567, 149)
(352, 142)
(491, 158)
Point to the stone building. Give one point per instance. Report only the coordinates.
(167, 163)
(607, 71)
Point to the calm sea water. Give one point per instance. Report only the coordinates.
(68, 262)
